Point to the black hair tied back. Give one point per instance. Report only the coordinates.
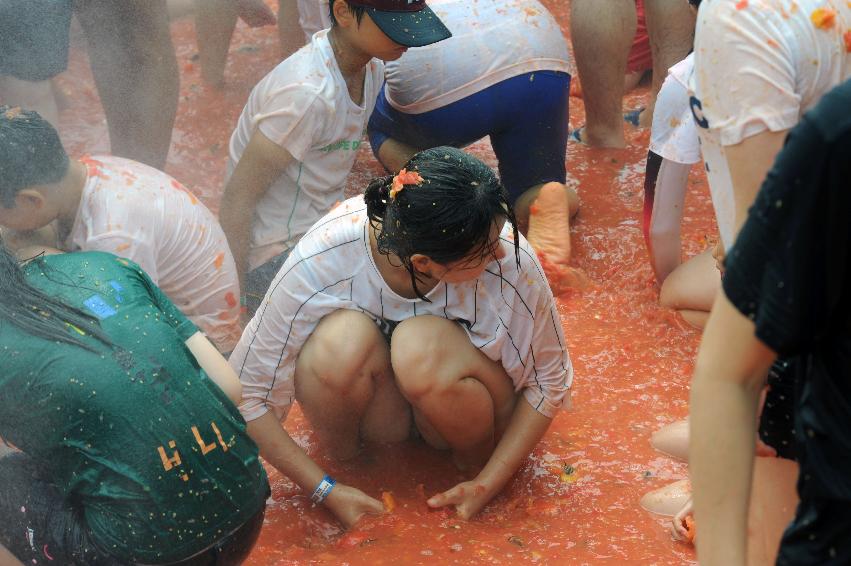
(376, 196)
(448, 215)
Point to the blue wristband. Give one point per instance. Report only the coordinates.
(323, 489)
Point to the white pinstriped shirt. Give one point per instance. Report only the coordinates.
(508, 313)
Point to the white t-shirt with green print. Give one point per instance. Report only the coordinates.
(303, 105)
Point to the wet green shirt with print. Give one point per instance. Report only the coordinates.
(136, 435)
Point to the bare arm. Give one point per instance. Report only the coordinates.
(261, 164)
(729, 375)
(215, 366)
(7, 559)
(525, 430)
(279, 449)
(749, 162)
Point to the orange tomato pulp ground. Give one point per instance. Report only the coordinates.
(633, 361)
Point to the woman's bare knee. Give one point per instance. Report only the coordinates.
(345, 348)
(418, 355)
(693, 285)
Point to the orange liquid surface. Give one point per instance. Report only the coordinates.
(633, 361)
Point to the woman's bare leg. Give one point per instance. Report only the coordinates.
(671, 29)
(672, 440)
(464, 399)
(691, 288)
(136, 74)
(602, 32)
(345, 386)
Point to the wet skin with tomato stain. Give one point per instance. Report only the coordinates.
(576, 499)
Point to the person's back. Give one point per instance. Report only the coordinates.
(299, 133)
(491, 41)
(303, 104)
(135, 211)
(149, 452)
(758, 67)
(504, 74)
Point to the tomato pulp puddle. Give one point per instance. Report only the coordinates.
(575, 500)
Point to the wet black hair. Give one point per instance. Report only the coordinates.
(37, 313)
(695, 3)
(357, 11)
(448, 217)
(31, 153)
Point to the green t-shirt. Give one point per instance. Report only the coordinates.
(136, 435)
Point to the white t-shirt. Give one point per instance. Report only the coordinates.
(673, 134)
(303, 105)
(313, 15)
(512, 320)
(492, 40)
(759, 65)
(138, 212)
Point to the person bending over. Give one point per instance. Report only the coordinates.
(299, 133)
(689, 287)
(418, 302)
(122, 207)
(129, 445)
(504, 73)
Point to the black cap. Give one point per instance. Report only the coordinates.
(407, 22)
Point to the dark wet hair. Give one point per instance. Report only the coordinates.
(695, 3)
(448, 217)
(357, 11)
(37, 313)
(30, 153)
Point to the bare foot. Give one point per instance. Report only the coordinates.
(549, 235)
(549, 224)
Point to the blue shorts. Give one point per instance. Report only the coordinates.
(525, 116)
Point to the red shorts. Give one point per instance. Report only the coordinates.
(640, 56)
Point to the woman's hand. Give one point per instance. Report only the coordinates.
(679, 528)
(719, 254)
(349, 505)
(467, 497)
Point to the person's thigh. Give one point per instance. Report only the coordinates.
(136, 73)
(38, 526)
(457, 124)
(344, 380)
(530, 140)
(693, 285)
(434, 359)
(34, 37)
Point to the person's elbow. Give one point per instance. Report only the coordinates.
(234, 391)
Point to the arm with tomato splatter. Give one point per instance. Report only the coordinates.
(279, 449)
(525, 430)
(261, 164)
